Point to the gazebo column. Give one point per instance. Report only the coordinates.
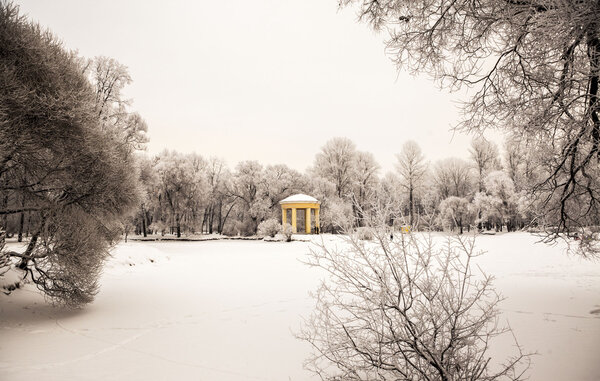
(307, 221)
(283, 216)
(317, 221)
(294, 220)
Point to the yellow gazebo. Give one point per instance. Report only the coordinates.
(301, 201)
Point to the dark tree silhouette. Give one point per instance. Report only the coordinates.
(57, 162)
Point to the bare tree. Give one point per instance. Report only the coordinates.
(365, 184)
(516, 163)
(280, 181)
(499, 205)
(108, 78)
(247, 188)
(225, 201)
(411, 167)
(485, 156)
(214, 176)
(149, 181)
(455, 212)
(181, 189)
(388, 190)
(452, 177)
(335, 163)
(404, 310)
(535, 67)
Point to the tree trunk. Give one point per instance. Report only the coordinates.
(211, 219)
(144, 232)
(21, 223)
(411, 211)
(4, 206)
(220, 218)
(27, 234)
(594, 86)
(225, 218)
(32, 243)
(204, 226)
(255, 223)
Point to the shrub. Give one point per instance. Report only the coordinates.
(158, 227)
(269, 227)
(364, 233)
(287, 232)
(404, 310)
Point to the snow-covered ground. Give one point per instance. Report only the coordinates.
(227, 310)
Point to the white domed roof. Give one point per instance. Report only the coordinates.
(301, 198)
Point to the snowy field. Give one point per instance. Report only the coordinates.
(227, 310)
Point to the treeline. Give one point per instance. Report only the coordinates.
(186, 193)
(67, 147)
(191, 194)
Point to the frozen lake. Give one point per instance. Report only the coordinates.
(226, 310)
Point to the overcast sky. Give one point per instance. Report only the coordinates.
(266, 80)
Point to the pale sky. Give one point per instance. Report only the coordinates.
(266, 80)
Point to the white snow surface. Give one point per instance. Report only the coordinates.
(227, 310)
(298, 198)
(10, 276)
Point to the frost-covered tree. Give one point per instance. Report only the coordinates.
(515, 161)
(490, 211)
(353, 173)
(149, 184)
(247, 187)
(182, 190)
(108, 78)
(485, 157)
(220, 204)
(534, 70)
(58, 163)
(226, 201)
(337, 216)
(196, 200)
(366, 181)
(452, 177)
(336, 163)
(388, 194)
(405, 309)
(455, 212)
(279, 182)
(411, 167)
(498, 184)
(325, 191)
